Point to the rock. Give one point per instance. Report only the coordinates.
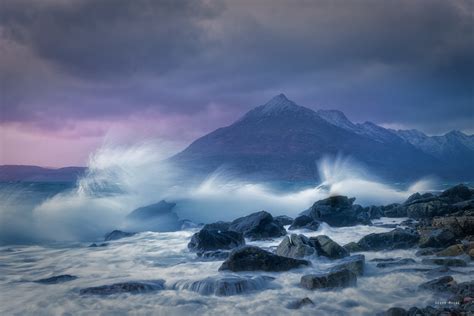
(355, 263)
(94, 245)
(457, 193)
(283, 220)
(461, 226)
(133, 287)
(395, 239)
(394, 210)
(442, 284)
(155, 217)
(251, 258)
(221, 226)
(374, 212)
(153, 210)
(57, 279)
(451, 251)
(426, 252)
(428, 209)
(206, 240)
(438, 238)
(417, 197)
(395, 311)
(226, 285)
(327, 247)
(445, 262)
(300, 303)
(394, 262)
(471, 254)
(186, 224)
(304, 222)
(334, 279)
(259, 225)
(339, 211)
(117, 234)
(352, 247)
(295, 246)
(213, 255)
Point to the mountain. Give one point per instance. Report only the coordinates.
(39, 174)
(281, 140)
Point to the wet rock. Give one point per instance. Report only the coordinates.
(300, 303)
(457, 193)
(305, 222)
(117, 234)
(155, 217)
(213, 255)
(374, 212)
(259, 225)
(438, 238)
(387, 263)
(335, 279)
(442, 284)
(394, 210)
(428, 209)
(395, 239)
(355, 263)
(329, 248)
(471, 254)
(94, 245)
(426, 252)
(461, 226)
(57, 279)
(283, 220)
(206, 240)
(251, 258)
(133, 287)
(352, 247)
(450, 262)
(226, 285)
(451, 251)
(221, 226)
(151, 211)
(295, 246)
(395, 311)
(339, 211)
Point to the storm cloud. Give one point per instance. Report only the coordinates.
(204, 63)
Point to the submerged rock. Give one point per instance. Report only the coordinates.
(304, 222)
(117, 234)
(133, 287)
(259, 225)
(295, 246)
(450, 262)
(339, 211)
(355, 263)
(329, 248)
(333, 279)
(213, 255)
(395, 239)
(226, 286)
(283, 220)
(206, 240)
(251, 258)
(387, 263)
(300, 303)
(94, 245)
(57, 279)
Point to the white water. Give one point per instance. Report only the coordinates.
(151, 256)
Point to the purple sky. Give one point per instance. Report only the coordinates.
(74, 72)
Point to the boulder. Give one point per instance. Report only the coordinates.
(355, 263)
(295, 246)
(206, 240)
(222, 226)
(213, 255)
(283, 220)
(352, 247)
(450, 262)
(133, 287)
(428, 209)
(117, 234)
(374, 212)
(393, 262)
(225, 285)
(300, 303)
(57, 279)
(155, 217)
(259, 225)
(329, 248)
(251, 258)
(304, 222)
(151, 211)
(334, 279)
(442, 284)
(438, 238)
(339, 211)
(94, 245)
(396, 239)
(426, 252)
(460, 226)
(451, 251)
(394, 210)
(457, 193)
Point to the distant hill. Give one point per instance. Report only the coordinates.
(281, 140)
(39, 174)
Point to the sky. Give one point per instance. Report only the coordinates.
(76, 73)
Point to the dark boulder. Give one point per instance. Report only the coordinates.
(461, 226)
(374, 212)
(450, 262)
(259, 225)
(452, 251)
(213, 255)
(327, 247)
(300, 303)
(352, 247)
(304, 222)
(393, 262)
(339, 211)
(117, 234)
(225, 285)
(334, 279)
(206, 240)
(395, 239)
(133, 287)
(442, 284)
(251, 258)
(151, 211)
(283, 220)
(355, 263)
(438, 238)
(57, 279)
(94, 245)
(222, 226)
(155, 217)
(457, 193)
(295, 246)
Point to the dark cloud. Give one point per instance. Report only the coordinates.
(396, 62)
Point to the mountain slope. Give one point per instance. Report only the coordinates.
(39, 174)
(282, 140)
